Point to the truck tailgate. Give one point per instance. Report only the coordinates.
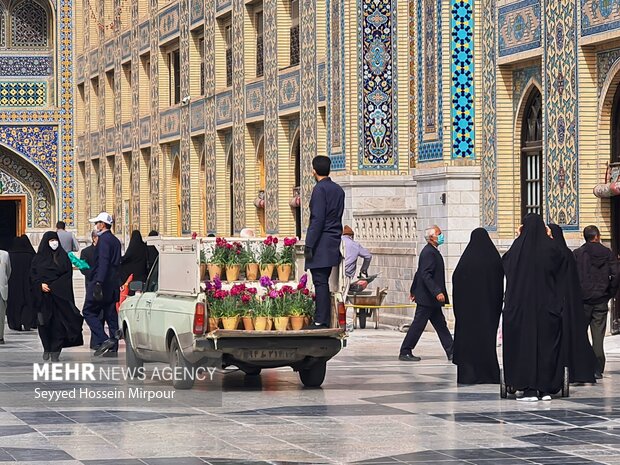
(235, 333)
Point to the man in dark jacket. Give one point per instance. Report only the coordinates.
(598, 275)
(103, 290)
(88, 255)
(322, 249)
(428, 290)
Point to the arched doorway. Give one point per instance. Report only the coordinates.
(296, 153)
(262, 183)
(615, 202)
(176, 184)
(532, 155)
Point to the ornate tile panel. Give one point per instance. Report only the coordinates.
(185, 117)
(109, 54)
(488, 158)
(93, 57)
(23, 94)
(210, 105)
(378, 86)
(271, 115)
(81, 147)
(134, 126)
(198, 116)
(599, 16)
(462, 89)
(170, 122)
(126, 46)
(560, 117)
(238, 97)
(155, 122)
(197, 11)
(520, 79)
(109, 141)
(430, 106)
(222, 4)
(604, 62)
(145, 130)
(31, 66)
(39, 144)
(321, 82)
(169, 22)
(80, 66)
(432, 149)
(289, 90)
(144, 36)
(95, 151)
(223, 107)
(126, 137)
(519, 27)
(336, 140)
(308, 107)
(255, 99)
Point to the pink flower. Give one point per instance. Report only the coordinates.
(305, 291)
(194, 235)
(273, 294)
(252, 290)
(217, 282)
(287, 289)
(275, 240)
(303, 281)
(265, 281)
(245, 298)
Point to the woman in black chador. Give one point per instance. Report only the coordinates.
(578, 353)
(151, 253)
(532, 319)
(134, 260)
(478, 292)
(59, 321)
(19, 312)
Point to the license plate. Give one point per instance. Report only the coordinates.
(267, 354)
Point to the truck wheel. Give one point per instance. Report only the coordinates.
(314, 376)
(185, 377)
(362, 317)
(132, 360)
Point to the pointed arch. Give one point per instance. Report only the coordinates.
(30, 24)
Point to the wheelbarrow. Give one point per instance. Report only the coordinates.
(371, 298)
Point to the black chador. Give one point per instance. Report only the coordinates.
(478, 291)
(532, 319)
(20, 312)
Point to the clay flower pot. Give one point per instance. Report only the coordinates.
(260, 323)
(267, 270)
(230, 322)
(284, 272)
(251, 271)
(203, 271)
(248, 323)
(214, 270)
(297, 322)
(281, 323)
(232, 272)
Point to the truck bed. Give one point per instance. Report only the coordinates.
(238, 333)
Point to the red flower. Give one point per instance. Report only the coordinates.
(252, 290)
(245, 298)
(305, 291)
(287, 289)
(275, 240)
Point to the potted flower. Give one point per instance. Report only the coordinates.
(203, 264)
(286, 259)
(262, 314)
(246, 298)
(249, 262)
(233, 261)
(219, 255)
(282, 304)
(229, 309)
(268, 256)
(214, 295)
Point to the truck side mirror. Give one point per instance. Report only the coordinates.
(136, 286)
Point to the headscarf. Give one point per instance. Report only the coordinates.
(22, 244)
(53, 268)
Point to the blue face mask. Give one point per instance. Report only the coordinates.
(440, 239)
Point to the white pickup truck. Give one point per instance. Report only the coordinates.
(165, 321)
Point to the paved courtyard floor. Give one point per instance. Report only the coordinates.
(372, 409)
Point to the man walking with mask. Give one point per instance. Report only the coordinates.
(428, 290)
(322, 250)
(103, 290)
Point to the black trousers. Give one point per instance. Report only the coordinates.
(596, 316)
(422, 315)
(92, 312)
(320, 278)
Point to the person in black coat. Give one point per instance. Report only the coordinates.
(322, 248)
(88, 255)
(532, 318)
(151, 253)
(59, 321)
(103, 289)
(578, 353)
(135, 259)
(478, 295)
(20, 312)
(428, 290)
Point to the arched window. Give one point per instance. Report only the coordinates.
(3, 21)
(531, 156)
(29, 25)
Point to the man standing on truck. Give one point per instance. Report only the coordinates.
(103, 289)
(322, 249)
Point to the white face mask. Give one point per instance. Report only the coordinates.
(53, 245)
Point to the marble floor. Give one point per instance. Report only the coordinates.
(372, 409)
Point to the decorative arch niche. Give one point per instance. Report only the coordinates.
(39, 192)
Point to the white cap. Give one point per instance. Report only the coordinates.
(104, 217)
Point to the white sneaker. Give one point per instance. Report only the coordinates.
(546, 398)
(527, 399)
